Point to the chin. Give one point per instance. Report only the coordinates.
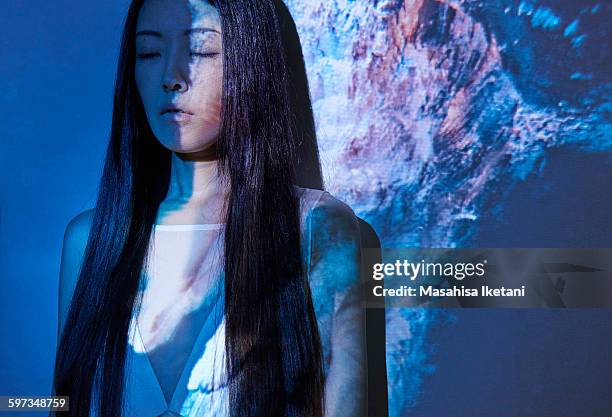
(186, 143)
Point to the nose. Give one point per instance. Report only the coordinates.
(173, 77)
(175, 86)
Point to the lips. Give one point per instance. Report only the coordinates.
(174, 109)
(175, 114)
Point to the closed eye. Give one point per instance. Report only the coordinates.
(205, 54)
(147, 55)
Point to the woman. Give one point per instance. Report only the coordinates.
(206, 282)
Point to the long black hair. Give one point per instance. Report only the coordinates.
(273, 350)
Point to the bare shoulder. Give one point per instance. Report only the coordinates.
(79, 226)
(335, 245)
(335, 250)
(73, 250)
(325, 209)
(334, 217)
(75, 242)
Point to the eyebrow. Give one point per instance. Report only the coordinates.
(187, 32)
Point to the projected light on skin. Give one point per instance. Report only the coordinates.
(179, 73)
(334, 284)
(179, 76)
(179, 63)
(167, 302)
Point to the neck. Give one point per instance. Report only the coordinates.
(194, 181)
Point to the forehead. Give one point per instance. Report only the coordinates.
(175, 15)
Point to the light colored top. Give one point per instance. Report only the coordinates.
(176, 348)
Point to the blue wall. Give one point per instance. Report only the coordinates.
(57, 64)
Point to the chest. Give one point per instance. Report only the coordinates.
(179, 286)
(178, 345)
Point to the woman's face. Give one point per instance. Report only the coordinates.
(179, 72)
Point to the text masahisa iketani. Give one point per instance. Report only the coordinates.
(454, 270)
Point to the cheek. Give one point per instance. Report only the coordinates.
(144, 84)
(207, 95)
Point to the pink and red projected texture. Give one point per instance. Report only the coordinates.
(425, 110)
(428, 112)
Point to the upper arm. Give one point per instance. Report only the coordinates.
(336, 241)
(336, 255)
(73, 250)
